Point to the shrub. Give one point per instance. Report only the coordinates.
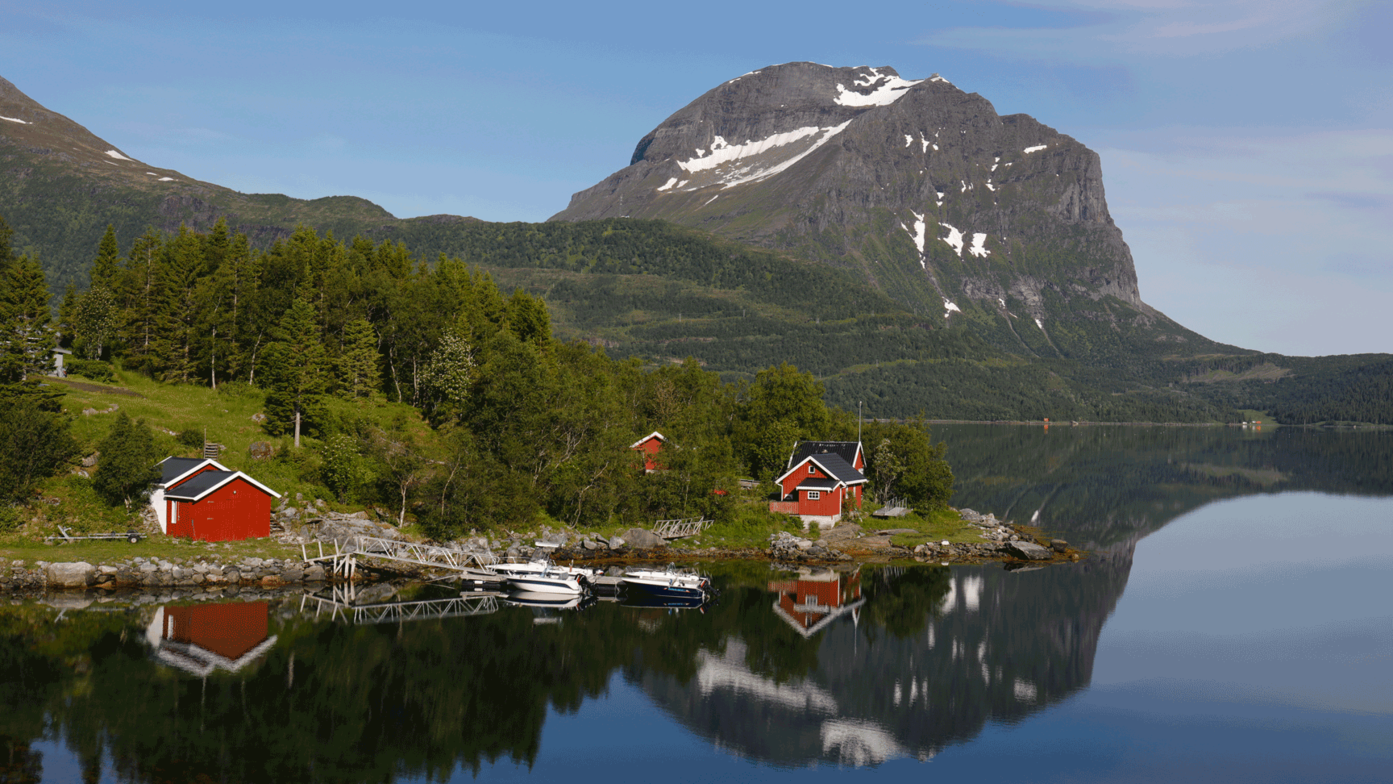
(191, 438)
(90, 368)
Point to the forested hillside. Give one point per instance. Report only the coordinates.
(522, 424)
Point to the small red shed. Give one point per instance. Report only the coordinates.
(218, 506)
(650, 445)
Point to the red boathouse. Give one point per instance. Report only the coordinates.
(218, 506)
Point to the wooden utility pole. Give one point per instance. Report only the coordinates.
(297, 429)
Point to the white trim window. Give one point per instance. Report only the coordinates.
(814, 495)
(811, 469)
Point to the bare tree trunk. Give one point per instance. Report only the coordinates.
(297, 429)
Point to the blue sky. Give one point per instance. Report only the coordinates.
(1247, 145)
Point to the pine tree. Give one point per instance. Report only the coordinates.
(127, 466)
(106, 267)
(178, 308)
(294, 372)
(358, 374)
(139, 296)
(67, 311)
(7, 256)
(24, 320)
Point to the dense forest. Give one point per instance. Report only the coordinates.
(521, 424)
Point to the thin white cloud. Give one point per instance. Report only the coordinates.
(1161, 28)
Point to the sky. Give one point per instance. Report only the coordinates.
(1247, 145)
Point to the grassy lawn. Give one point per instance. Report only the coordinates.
(225, 415)
(20, 547)
(931, 525)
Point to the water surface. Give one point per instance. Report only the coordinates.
(1232, 623)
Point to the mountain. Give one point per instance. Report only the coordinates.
(915, 186)
(61, 185)
(897, 238)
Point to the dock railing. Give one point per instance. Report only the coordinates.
(679, 529)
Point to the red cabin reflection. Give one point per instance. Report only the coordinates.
(816, 598)
(205, 637)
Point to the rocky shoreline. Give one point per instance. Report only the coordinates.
(1001, 542)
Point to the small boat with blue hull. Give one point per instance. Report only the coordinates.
(669, 583)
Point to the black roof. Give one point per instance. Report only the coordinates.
(846, 450)
(839, 468)
(814, 483)
(198, 485)
(175, 467)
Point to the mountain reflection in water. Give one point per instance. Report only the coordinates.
(854, 666)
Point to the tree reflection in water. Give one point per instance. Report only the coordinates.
(852, 667)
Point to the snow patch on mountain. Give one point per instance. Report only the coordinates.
(668, 185)
(165, 179)
(919, 234)
(118, 156)
(1036, 148)
(1040, 324)
(724, 152)
(888, 89)
(949, 308)
(908, 140)
(15, 120)
(979, 248)
(954, 238)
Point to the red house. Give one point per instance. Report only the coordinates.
(649, 446)
(218, 505)
(811, 602)
(821, 477)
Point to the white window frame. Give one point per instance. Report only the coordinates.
(811, 469)
(814, 495)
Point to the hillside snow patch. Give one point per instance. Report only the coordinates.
(949, 308)
(919, 233)
(1036, 148)
(979, 246)
(908, 140)
(118, 156)
(15, 119)
(668, 185)
(954, 238)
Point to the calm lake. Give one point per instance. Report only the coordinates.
(1234, 622)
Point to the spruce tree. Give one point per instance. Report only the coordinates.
(139, 296)
(358, 375)
(7, 256)
(107, 264)
(24, 320)
(67, 311)
(127, 466)
(294, 372)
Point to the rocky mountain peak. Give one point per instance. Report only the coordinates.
(914, 184)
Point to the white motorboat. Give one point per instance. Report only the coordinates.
(549, 580)
(669, 583)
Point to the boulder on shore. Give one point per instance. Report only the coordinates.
(643, 539)
(70, 575)
(1029, 551)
